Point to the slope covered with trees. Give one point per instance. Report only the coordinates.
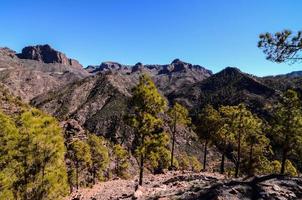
(32, 153)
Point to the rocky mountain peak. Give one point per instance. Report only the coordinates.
(176, 66)
(231, 70)
(176, 61)
(137, 67)
(45, 53)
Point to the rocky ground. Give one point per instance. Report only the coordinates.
(189, 186)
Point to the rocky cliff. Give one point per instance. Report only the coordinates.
(37, 74)
(47, 54)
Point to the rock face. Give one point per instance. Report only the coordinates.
(28, 78)
(46, 54)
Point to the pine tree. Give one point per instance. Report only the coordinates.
(32, 157)
(147, 104)
(41, 158)
(184, 161)
(207, 126)
(99, 157)
(237, 121)
(81, 156)
(121, 161)
(8, 150)
(257, 144)
(282, 46)
(225, 136)
(158, 154)
(179, 116)
(195, 164)
(287, 129)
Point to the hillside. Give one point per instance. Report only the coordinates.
(99, 105)
(283, 82)
(228, 87)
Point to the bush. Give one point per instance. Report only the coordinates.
(121, 161)
(184, 162)
(195, 164)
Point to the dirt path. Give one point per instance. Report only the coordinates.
(171, 184)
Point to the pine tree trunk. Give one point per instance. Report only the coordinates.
(77, 175)
(205, 154)
(173, 143)
(117, 167)
(172, 151)
(223, 154)
(222, 163)
(284, 157)
(93, 175)
(141, 170)
(251, 160)
(238, 155)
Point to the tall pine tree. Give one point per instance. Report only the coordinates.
(147, 104)
(287, 129)
(179, 115)
(207, 126)
(32, 157)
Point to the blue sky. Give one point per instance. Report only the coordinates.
(212, 33)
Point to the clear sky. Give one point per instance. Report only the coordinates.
(212, 33)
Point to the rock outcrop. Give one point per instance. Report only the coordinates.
(30, 77)
(46, 54)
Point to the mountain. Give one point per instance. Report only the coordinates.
(46, 54)
(96, 98)
(293, 74)
(228, 87)
(36, 70)
(97, 102)
(283, 82)
(167, 77)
